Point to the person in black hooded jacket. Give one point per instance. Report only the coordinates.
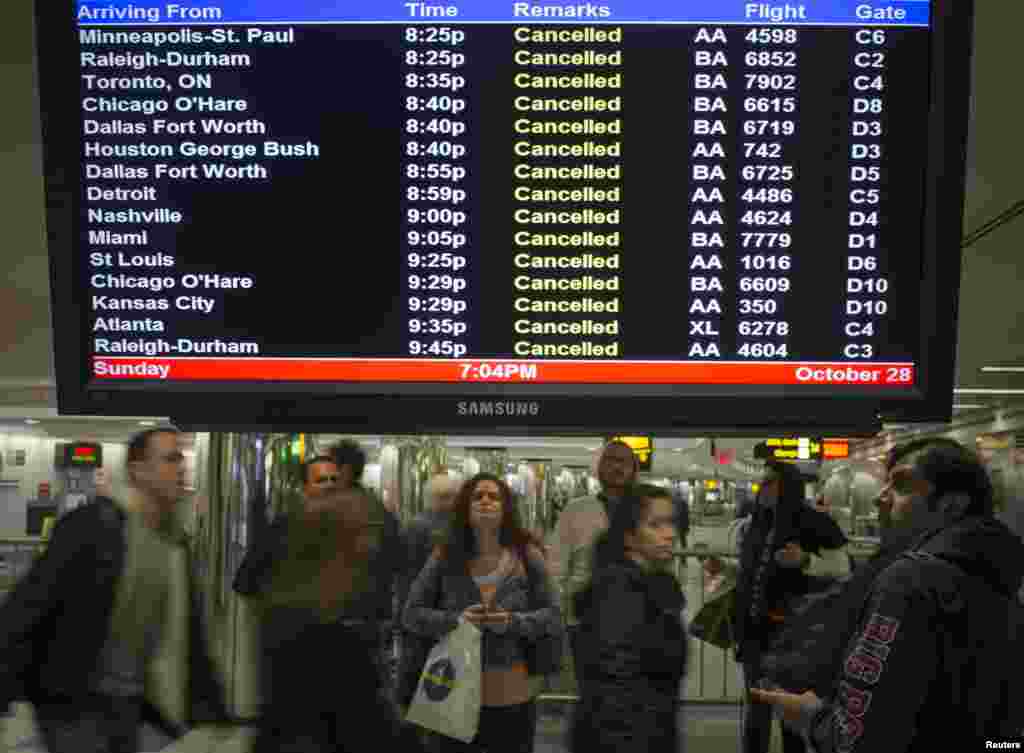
(930, 660)
(632, 637)
(777, 552)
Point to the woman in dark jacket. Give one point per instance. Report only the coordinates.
(632, 638)
(321, 692)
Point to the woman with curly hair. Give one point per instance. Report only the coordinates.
(490, 572)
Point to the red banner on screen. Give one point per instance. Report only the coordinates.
(540, 372)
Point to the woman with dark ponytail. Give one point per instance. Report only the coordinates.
(632, 638)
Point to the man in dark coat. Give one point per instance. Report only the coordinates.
(320, 477)
(105, 632)
(371, 614)
(776, 552)
(387, 562)
(931, 660)
(374, 615)
(321, 688)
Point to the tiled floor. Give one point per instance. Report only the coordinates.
(707, 729)
(19, 734)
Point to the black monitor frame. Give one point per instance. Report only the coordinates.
(535, 409)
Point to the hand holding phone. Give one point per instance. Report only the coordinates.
(475, 614)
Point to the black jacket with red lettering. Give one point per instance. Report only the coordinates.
(935, 662)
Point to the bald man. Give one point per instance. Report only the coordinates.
(580, 523)
(422, 532)
(421, 535)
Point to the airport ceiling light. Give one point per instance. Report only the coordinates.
(31, 421)
(984, 391)
(1002, 369)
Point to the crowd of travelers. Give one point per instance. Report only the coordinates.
(916, 649)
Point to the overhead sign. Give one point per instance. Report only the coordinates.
(643, 449)
(83, 455)
(726, 457)
(835, 449)
(523, 249)
(789, 448)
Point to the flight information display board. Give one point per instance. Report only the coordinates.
(643, 198)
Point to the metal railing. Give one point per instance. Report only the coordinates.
(562, 687)
(706, 661)
(16, 556)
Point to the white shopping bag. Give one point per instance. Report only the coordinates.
(447, 698)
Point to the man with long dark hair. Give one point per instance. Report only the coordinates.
(804, 654)
(932, 661)
(783, 544)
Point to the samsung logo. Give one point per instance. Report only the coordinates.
(498, 408)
